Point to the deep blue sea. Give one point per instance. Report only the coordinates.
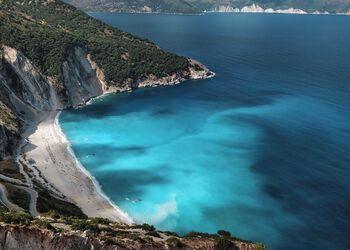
(261, 150)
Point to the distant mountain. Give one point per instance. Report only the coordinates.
(132, 6)
(198, 6)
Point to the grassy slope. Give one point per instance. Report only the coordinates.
(43, 30)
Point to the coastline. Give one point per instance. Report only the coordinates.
(46, 150)
(49, 150)
(224, 12)
(81, 167)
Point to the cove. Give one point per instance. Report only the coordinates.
(261, 150)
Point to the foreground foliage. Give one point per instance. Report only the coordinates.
(122, 235)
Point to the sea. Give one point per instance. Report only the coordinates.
(261, 150)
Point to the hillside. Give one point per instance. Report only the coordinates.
(55, 57)
(197, 6)
(169, 6)
(44, 30)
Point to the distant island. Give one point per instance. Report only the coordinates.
(201, 6)
(55, 57)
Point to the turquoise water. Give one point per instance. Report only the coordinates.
(261, 150)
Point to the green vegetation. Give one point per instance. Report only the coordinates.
(224, 233)
(48, 203)
(260, 246)
(174, 242)
(44, 224)
(84, 225)
(154, 234)
(122, 235)
(45, 31)
(16, 217)
(224, 244)
(201, 235)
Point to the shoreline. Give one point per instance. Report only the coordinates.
(46, 149)
(221, 12)
(81, 167)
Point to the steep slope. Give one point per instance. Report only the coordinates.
(57, 49)
(53, 57)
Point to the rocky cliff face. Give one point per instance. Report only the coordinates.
(17, 237)
(80, 77)
(27, 94)
(14, 237)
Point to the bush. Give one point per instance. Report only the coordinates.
(45, 224)
(171, 233)
(16, 217)
(99, 220)
(49, 204)
(200, 235)
(147, 227)
(112, 241)
(224, 244)
(260, 246)
(84, 225)
(154, 234)
(224, 233)
(52, 214)
(174, 242)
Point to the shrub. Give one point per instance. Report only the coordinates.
(260, 246)
(84, 225)
(171, 233)
(147, 227)
(174, 242)
(45, 224)
(112, 241)
(224, 244)
(52, 214)
(200, 235)
(99, 220)
(224, 233)
(154, 234)
(16, 217)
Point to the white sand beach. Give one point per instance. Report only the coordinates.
(51, 152)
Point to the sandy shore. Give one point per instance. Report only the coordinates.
(52, 154)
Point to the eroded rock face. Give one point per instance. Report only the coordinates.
(81, 77)
(14, 237)
(28, 94)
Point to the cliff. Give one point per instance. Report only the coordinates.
(48, 65)
(26, 93)
(21, 231)
(33, 88)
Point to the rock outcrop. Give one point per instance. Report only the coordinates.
(80, 77)
(27, 93)
(14, 237)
